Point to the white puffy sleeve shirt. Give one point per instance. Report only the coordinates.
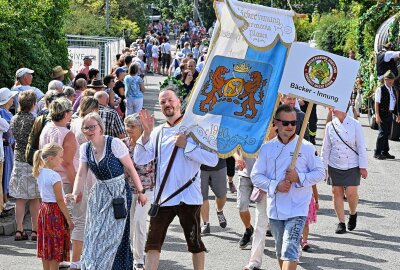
(337, 154)
(186, 164)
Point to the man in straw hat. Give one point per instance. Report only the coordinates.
(385, 100)
(58, 73)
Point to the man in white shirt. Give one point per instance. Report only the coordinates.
(289, 190)
(24, 77)
(139, 61)
(387, 60)
(186, 166)
(385, 101)
(166, 56)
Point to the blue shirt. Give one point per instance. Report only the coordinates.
(21, 88)
(132, 86)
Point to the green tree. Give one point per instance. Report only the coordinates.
(31, 36)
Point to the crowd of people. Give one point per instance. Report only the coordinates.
(87, 157)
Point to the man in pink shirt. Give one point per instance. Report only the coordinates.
(87, 62)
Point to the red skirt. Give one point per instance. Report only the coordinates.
(53, 242)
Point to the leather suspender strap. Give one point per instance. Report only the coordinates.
(164, 181)
(343, 140)
(179, 190)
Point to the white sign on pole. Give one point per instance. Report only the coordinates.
(77, 54)
(318, 76)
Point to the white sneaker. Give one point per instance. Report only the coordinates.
(8, 206)
(75, 265)
(63, 265)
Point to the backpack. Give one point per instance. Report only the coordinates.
(34, 137)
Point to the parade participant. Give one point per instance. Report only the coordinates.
(54, 222)
(345, 157)
(230, 173)
(138, 228)
(23, 186)
(262, 227)
(291, 101)
(88, 105)
(6, 101)
(166, 57)
(134, 89)
(289, 190)
(213, 177)
(106, 239)
(56, 131)
(385, 102)
(186, 205)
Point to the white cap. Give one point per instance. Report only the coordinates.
(140, 53)
(22, 71)
(6, 94)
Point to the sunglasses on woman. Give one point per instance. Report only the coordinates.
(287, 123)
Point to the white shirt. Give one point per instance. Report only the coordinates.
(389, 55)
(154, 51)
(186, 164)
(118, 148)
(338, 155)
(166, 48)
(140, 64)
(21, 88)
(378, 95)
(46, 180)
(4, 126)
(273, 160)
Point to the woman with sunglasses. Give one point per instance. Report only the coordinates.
(138, 213)
(106, 237)
(345, 157)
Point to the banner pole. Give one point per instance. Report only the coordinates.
(301, 135)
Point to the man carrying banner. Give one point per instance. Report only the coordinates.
(165, 143)
(289, 190)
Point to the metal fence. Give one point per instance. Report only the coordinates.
(104, 48)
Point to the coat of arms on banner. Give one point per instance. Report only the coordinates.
(233, 100)
(235, 88)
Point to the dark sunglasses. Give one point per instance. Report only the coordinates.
(286, 123)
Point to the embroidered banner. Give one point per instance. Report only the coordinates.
(232, 102)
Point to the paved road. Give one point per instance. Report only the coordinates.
(375, 244)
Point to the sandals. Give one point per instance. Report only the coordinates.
(34, 237)
(22, 236)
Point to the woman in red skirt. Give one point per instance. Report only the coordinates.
(54, 221)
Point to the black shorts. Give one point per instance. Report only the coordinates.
(230, 166)
(189, 218)
(166, 60)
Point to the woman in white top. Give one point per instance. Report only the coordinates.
(345, 157)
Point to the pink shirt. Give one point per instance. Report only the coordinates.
(54, 134)
(84, 69)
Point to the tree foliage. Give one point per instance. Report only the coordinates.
(127, 17)
(31, 36)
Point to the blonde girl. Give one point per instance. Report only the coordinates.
(54, 221)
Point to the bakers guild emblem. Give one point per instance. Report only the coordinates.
(320, 71)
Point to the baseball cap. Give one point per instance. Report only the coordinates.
(22, 71)
(88, 57)
(6, 94)
(119, 70)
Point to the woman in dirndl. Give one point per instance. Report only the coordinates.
(23, 186)
(106, 239)
(345, 157)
